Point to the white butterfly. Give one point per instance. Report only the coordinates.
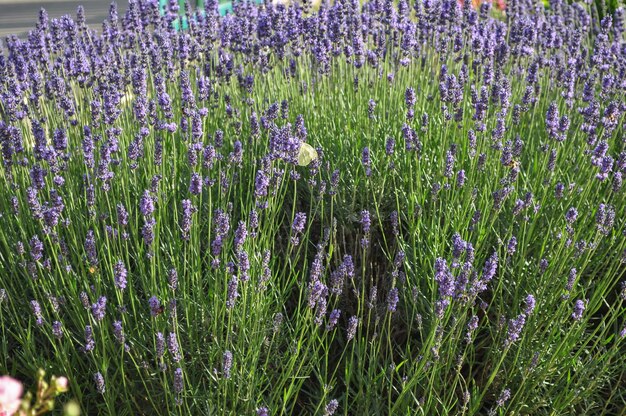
(306, 155)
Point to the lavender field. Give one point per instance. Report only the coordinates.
(388, 208)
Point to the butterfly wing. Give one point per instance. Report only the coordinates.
(306, 155)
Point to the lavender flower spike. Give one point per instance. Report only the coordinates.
(120, 273)
(99, 380)
(579, 308)
(227, 362)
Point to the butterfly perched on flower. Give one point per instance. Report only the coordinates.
(306, 155)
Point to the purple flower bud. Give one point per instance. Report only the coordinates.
(57, 329)
(458, 246)
(579, 308)
(409, 97)
(146, 204)
(98, 309)
(392, 300)
(118, 332)
(195, 184)
(240, 236)
(34, 305)
(460, 178)
(491, 267)
(552, 160)
(367, 163)
(331, 407)
(571, 280)
(227, 362)
(99, 380)
(172, 345)
(366, 223)
(178, 381)
(530, 304)
(120, 274)
(232, 292)
(332, 320)
(389, 146)
(571, 215)
(558, 190)
(89, 342)
(511, 246)
(353, 323)
(155, 306)
(243, 263)
(449, 164)
(394, 222)
(371, 106)
(503, 398)
(261, 184)
(297, 227)
(36, 248)
(515, 329)
(444, 279)
(472, 325)
(147, 231)
(440, 307)
(188, 211)
(38, 176)
(160, 344)
(605, 219)
(122, 215)
(84, 299)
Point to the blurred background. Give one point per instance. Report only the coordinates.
(19, 16)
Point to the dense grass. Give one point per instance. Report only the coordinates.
(461, 231)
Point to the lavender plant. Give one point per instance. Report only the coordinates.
(452, 241)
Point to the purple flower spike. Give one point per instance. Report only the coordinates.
(392, 299)
(409, 97)
(227, 363)
(89, 341)
(530, 305)
(155, 306)
(120, 273)
(503, 398)
(571, 215)
(99, 380)
(331, 407)
(146, 204)
(444, 278)
(512, 246)
(178, 381)
(57, 329)
(34, 305)
(195, 184)
(172, 344)
(297, 227)
(98, 309)
(353, 323)
(367, 162)
(579, 308)
(332, 320)
(515, 329)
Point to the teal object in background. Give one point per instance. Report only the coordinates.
(225, 6)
